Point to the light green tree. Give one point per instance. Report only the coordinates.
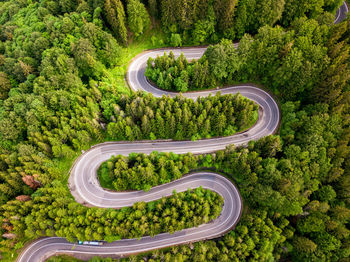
(138, 18)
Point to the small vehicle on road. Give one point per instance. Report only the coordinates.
(91, 243)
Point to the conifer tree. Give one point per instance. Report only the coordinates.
(153, 8)
(225, 10)
(138, 18)
(115, 15)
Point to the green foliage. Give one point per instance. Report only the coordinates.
(52, 211)
(295, 9)
(5, 85)
(283, 178)
(206, 21)
(290, 63)
(204, 29)
(175, 40)
(141, 172)
(71, 259)
(286, 63)
(178, 74)
(115, 15)
(138, 18)
(59, 93)
(304, 245)
(253, 238)
(44, 91)
(326, 193)
(332, 5)
(62, 259)
(224, 61)
(224, 12)
(334, 79)
(142, 116)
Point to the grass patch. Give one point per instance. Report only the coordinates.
(59, 167)
(104, 179)
(115, 77)
(63, 258)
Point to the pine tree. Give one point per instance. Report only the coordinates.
(145, 125)
(335, 77)
(153, 8)
(225, 10)
(241, 22)
(115, 15)
(5, 85)
(270, 12)
(138, 18)
(197, 76)
(168, 83)
(167, 15)
(160, 81)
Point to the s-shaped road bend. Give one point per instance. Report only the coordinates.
(86, 189)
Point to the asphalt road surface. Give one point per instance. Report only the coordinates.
(86, 189)
(341, 13)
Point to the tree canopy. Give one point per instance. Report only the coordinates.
(62, 67)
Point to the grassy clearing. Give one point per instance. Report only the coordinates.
(60, 167)
(63, 258)
(115, 77)
(105, 180)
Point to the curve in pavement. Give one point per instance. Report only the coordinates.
(87, 190)
(230, 214)
(341, 13)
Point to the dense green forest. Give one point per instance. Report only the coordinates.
(196, 22)
(53, 212)
(141, 171)
(137, 117)
(289, 63)
(62, 89)
(293, 177)
(178, 74)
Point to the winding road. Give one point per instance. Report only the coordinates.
(86, 189)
